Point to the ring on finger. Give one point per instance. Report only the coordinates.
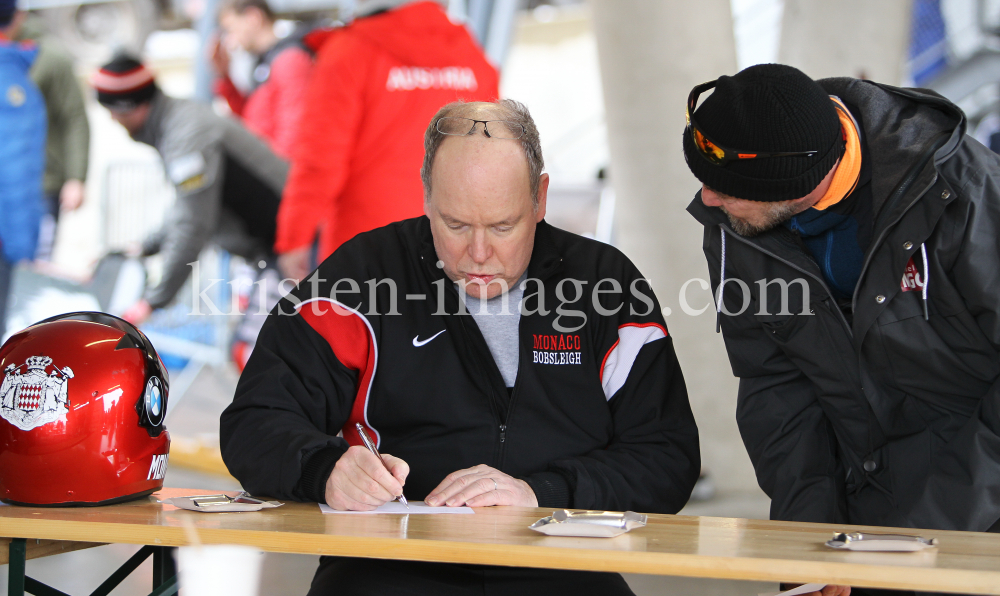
(495, 486)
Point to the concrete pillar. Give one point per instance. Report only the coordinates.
(850, 38)
(206, 25)
(651, 55)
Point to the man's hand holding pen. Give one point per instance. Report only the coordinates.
(360, 482)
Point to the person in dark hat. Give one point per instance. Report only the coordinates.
(126, 88)
(22, 151)
(228, 186)
(851, 231)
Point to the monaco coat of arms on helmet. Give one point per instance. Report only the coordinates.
(32, 397)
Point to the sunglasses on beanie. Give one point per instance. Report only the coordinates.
(716, 153)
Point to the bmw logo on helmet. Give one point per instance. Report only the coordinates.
(153, 402)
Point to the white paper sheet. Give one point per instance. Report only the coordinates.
(803, 589)
(416, 508)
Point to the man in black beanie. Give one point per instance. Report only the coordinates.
(851, 231)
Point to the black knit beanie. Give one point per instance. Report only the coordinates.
(124, 83)
(768, 107)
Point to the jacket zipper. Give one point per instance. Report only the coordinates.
(896, 194)
(819, 280)
(494, 404)
(510, 406)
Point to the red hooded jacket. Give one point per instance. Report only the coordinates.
(272, 110)
(376, 85)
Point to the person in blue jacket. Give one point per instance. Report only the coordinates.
(22, 151)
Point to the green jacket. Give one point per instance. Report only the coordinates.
(68, 144)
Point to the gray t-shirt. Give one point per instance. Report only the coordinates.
(498, 319)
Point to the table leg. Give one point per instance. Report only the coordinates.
(33, 586)
(15, 573)
(164, 567)
(164, 572)
(167, 588)
(124, 571)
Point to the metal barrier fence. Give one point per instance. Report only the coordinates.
(135, 202)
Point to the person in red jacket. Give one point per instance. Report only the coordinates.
(376, 84)
(273, 106)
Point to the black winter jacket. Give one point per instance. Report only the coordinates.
(599, 416)
(886, 414)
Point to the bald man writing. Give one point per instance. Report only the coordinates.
(495, 359)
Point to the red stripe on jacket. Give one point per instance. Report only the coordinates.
(353, 343)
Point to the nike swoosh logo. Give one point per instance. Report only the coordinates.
(417, 343)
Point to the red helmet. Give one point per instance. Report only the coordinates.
(82, 405)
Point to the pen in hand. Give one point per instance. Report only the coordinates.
(371, 447)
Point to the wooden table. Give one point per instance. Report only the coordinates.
(737, 549)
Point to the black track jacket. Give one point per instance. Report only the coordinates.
(599, 416)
